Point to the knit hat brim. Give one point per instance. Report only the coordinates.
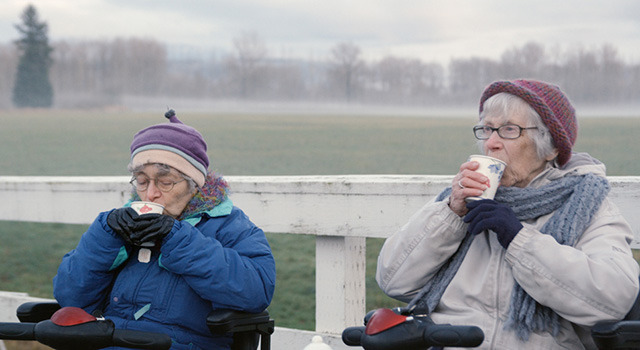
(172, 159)
(563, 128)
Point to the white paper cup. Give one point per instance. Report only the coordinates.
(492, 168)
(147, 207)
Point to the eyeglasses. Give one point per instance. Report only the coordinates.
(508, 131)
(141, 183)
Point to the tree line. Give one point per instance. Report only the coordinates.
(98, 73)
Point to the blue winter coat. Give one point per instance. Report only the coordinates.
(219, 259)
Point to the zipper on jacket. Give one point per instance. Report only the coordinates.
(498, 279)
(142, 280)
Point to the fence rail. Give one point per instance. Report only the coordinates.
(341, 211)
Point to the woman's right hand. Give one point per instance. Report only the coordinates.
(467, 183)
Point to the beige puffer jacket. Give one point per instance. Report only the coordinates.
(597, 280)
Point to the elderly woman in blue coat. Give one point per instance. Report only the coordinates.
(203, 253)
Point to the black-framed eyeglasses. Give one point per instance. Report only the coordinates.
(141, 183)
(507, 131)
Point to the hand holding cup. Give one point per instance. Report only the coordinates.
(478, 178)
(492, 169)
(140, 225)
(156, 225)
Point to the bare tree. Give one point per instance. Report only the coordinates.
(582, 75)
(347, 64)
(247, 64)
(631, 90)
(286, 81)
(426, 81)
(612, 74)
(467, 77)
(80, 72)
(407, 81)
(136, 66)
(524, 62)
(392, 76)
(95, 73)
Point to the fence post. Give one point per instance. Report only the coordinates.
(340, 282)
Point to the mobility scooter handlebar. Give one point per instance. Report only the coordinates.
(73, 328)
(387, 330)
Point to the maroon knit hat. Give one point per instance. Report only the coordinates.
(550, 103)
(174, 144)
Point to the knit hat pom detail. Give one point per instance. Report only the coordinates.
(171, 115)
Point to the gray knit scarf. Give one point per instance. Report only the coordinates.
(574, 199)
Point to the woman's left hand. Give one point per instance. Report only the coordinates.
(488, 214)
(159, 226)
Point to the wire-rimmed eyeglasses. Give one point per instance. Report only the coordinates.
(141, 183)
(507, 131)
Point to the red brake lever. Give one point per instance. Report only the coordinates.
(383, 319)
(71, 316)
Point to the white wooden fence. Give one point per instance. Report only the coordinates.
(341, 211)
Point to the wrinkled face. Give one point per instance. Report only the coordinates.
(155, 178)
(520, 154)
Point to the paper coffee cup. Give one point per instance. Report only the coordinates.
(141, 207)
(147, 207)
(493, 169)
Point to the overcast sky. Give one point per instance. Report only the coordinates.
(431, 30)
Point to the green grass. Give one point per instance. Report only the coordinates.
(92, 143)
(97, 143)
(31, 253)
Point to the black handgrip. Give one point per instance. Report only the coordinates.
(36, 311)
(447, 335)
(617, 335)
(17, 331)
(351, 335)
(418, 332)
(141, 340)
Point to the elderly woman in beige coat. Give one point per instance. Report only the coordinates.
(540, 264)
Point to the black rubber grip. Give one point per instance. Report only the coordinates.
(17, 331)
(141, 340)
(447, 335)
(351, 336)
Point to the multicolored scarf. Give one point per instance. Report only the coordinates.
(214, 192)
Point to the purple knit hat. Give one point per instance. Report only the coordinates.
(552, 105)
(174, 144)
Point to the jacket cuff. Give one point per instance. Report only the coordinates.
(519, 242)
(456, 222)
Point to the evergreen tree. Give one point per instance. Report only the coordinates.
(32, 87)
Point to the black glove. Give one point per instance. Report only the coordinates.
(138, 229)
(488, 214)
(160, 226)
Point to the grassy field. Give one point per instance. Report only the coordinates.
(97, 143)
